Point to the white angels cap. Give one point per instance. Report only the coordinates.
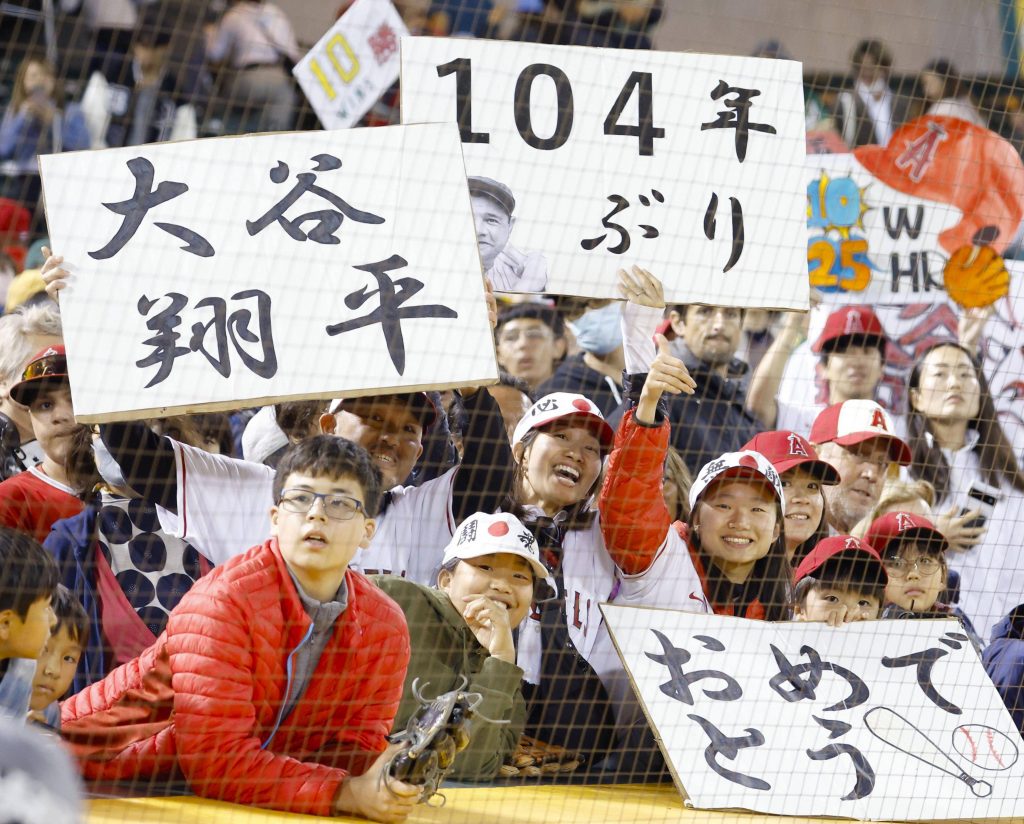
(737, 463)
(501, 533)
(562, 405)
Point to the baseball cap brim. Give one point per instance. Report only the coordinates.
(816, 559)
(422, 403)
(826, 344)
(822, 470)
(899, 452)
(27, 391)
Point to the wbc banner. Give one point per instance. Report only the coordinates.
(919, 230)
(926, 217)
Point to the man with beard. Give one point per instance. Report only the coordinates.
(858, 439)
(33, 500)
(712, 421)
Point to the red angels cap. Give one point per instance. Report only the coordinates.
(501, 533)
(839, 545)
(558, 405)
(787, 449)
(855, 421)
(857, 322)
(899, 525)
(423, 403)
(732, 464)
(48, 366)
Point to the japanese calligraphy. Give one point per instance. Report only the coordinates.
(863, 770)
(390, 312)
(620, 204)
(135, 209)
(236, 327)
(327, 221)
(711, 225)
(678, 685)
(791, 676)
(729, 747)
(737, 116)
(924, 661)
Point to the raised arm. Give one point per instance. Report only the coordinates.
(634, 518)
(764, 384)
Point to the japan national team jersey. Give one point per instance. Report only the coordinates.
(591, 578)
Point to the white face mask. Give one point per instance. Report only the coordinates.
(876, 88)
(598, 330)
(108, 468)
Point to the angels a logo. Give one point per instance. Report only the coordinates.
(878, 420)
(904, 522)
(852, 543)
(917, 158)
(795, 446)
(853, 323)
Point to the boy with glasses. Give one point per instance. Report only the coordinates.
(531, 342)
(914, 554)
(278, 677)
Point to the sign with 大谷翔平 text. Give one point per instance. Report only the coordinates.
(225, 273)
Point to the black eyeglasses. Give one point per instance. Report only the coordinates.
(336, 507)
(50, 366)
(900, 567)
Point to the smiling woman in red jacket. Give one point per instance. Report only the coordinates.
(279, 674)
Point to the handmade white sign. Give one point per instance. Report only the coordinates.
(893, 720)
(232, 272)
(583, 160)
(884, 224)
(353, 64)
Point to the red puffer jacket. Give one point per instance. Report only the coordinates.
(204, 701)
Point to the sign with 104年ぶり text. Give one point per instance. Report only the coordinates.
(353, 64)
(892, 720)
(237, 271)
(583, 160)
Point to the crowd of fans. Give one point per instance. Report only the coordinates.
(247, 599)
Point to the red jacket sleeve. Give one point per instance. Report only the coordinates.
(213, 674)
(634, 518)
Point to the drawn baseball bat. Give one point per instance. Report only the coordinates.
(896, 731)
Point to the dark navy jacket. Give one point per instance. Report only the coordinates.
(72, 542)
(1004, 663)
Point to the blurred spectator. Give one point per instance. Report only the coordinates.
(147, 108)
(15, 223)
(36, 122)
(1004, 663)
(38, 782)
(531, 342)
(111, 23)
(946, 94)
(8, 271)
(915, 497)
(616, 24)
(596, 370)
(758, 335)
(870, 111)
(817, 116)
(255, 43)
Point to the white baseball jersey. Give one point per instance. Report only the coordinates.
(224, 508)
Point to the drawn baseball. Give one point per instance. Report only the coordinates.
(985, 747)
